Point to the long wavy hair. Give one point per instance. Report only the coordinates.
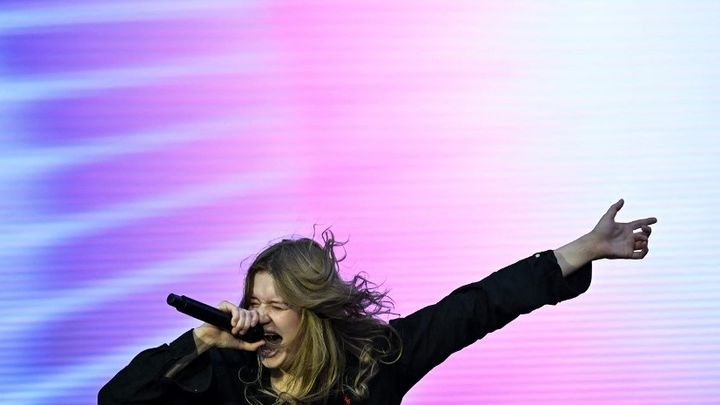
(341, 341)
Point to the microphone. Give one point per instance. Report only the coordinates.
(213, 316)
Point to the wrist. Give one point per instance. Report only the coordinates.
(589, 246)
(577, 253)
(203, 338)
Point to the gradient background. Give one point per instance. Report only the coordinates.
(149, 147)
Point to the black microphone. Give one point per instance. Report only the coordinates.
(213, 316)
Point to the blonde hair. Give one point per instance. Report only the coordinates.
(340, 342)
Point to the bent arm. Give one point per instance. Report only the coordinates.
(155, 375)
(182, 371)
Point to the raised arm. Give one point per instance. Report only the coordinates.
(608, 240)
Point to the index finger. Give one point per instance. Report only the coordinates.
(230, 308)
(638, 223)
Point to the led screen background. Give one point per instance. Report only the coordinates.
(150, 147)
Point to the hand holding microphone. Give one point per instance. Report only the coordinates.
(225, 326)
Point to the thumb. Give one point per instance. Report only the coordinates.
(613, 210)
(251, 347)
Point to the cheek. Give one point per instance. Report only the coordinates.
(291, 323)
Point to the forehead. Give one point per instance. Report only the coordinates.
(264, 287)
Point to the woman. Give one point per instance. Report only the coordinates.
(323, 342)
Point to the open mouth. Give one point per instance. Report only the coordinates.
(272, 338)
(272, 345)
(267, 352)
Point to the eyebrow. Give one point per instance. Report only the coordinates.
(273, 301)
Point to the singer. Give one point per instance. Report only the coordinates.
(324, 342)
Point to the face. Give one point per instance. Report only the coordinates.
(277, 318)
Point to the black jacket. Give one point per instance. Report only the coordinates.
(429, 336)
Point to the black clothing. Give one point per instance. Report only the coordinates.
(429, 336)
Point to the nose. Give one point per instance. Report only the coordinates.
(264, 318)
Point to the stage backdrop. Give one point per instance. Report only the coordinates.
(149, 147)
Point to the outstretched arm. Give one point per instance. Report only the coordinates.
(608, 240)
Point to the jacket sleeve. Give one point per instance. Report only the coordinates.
(156, 376)
(433, 333)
